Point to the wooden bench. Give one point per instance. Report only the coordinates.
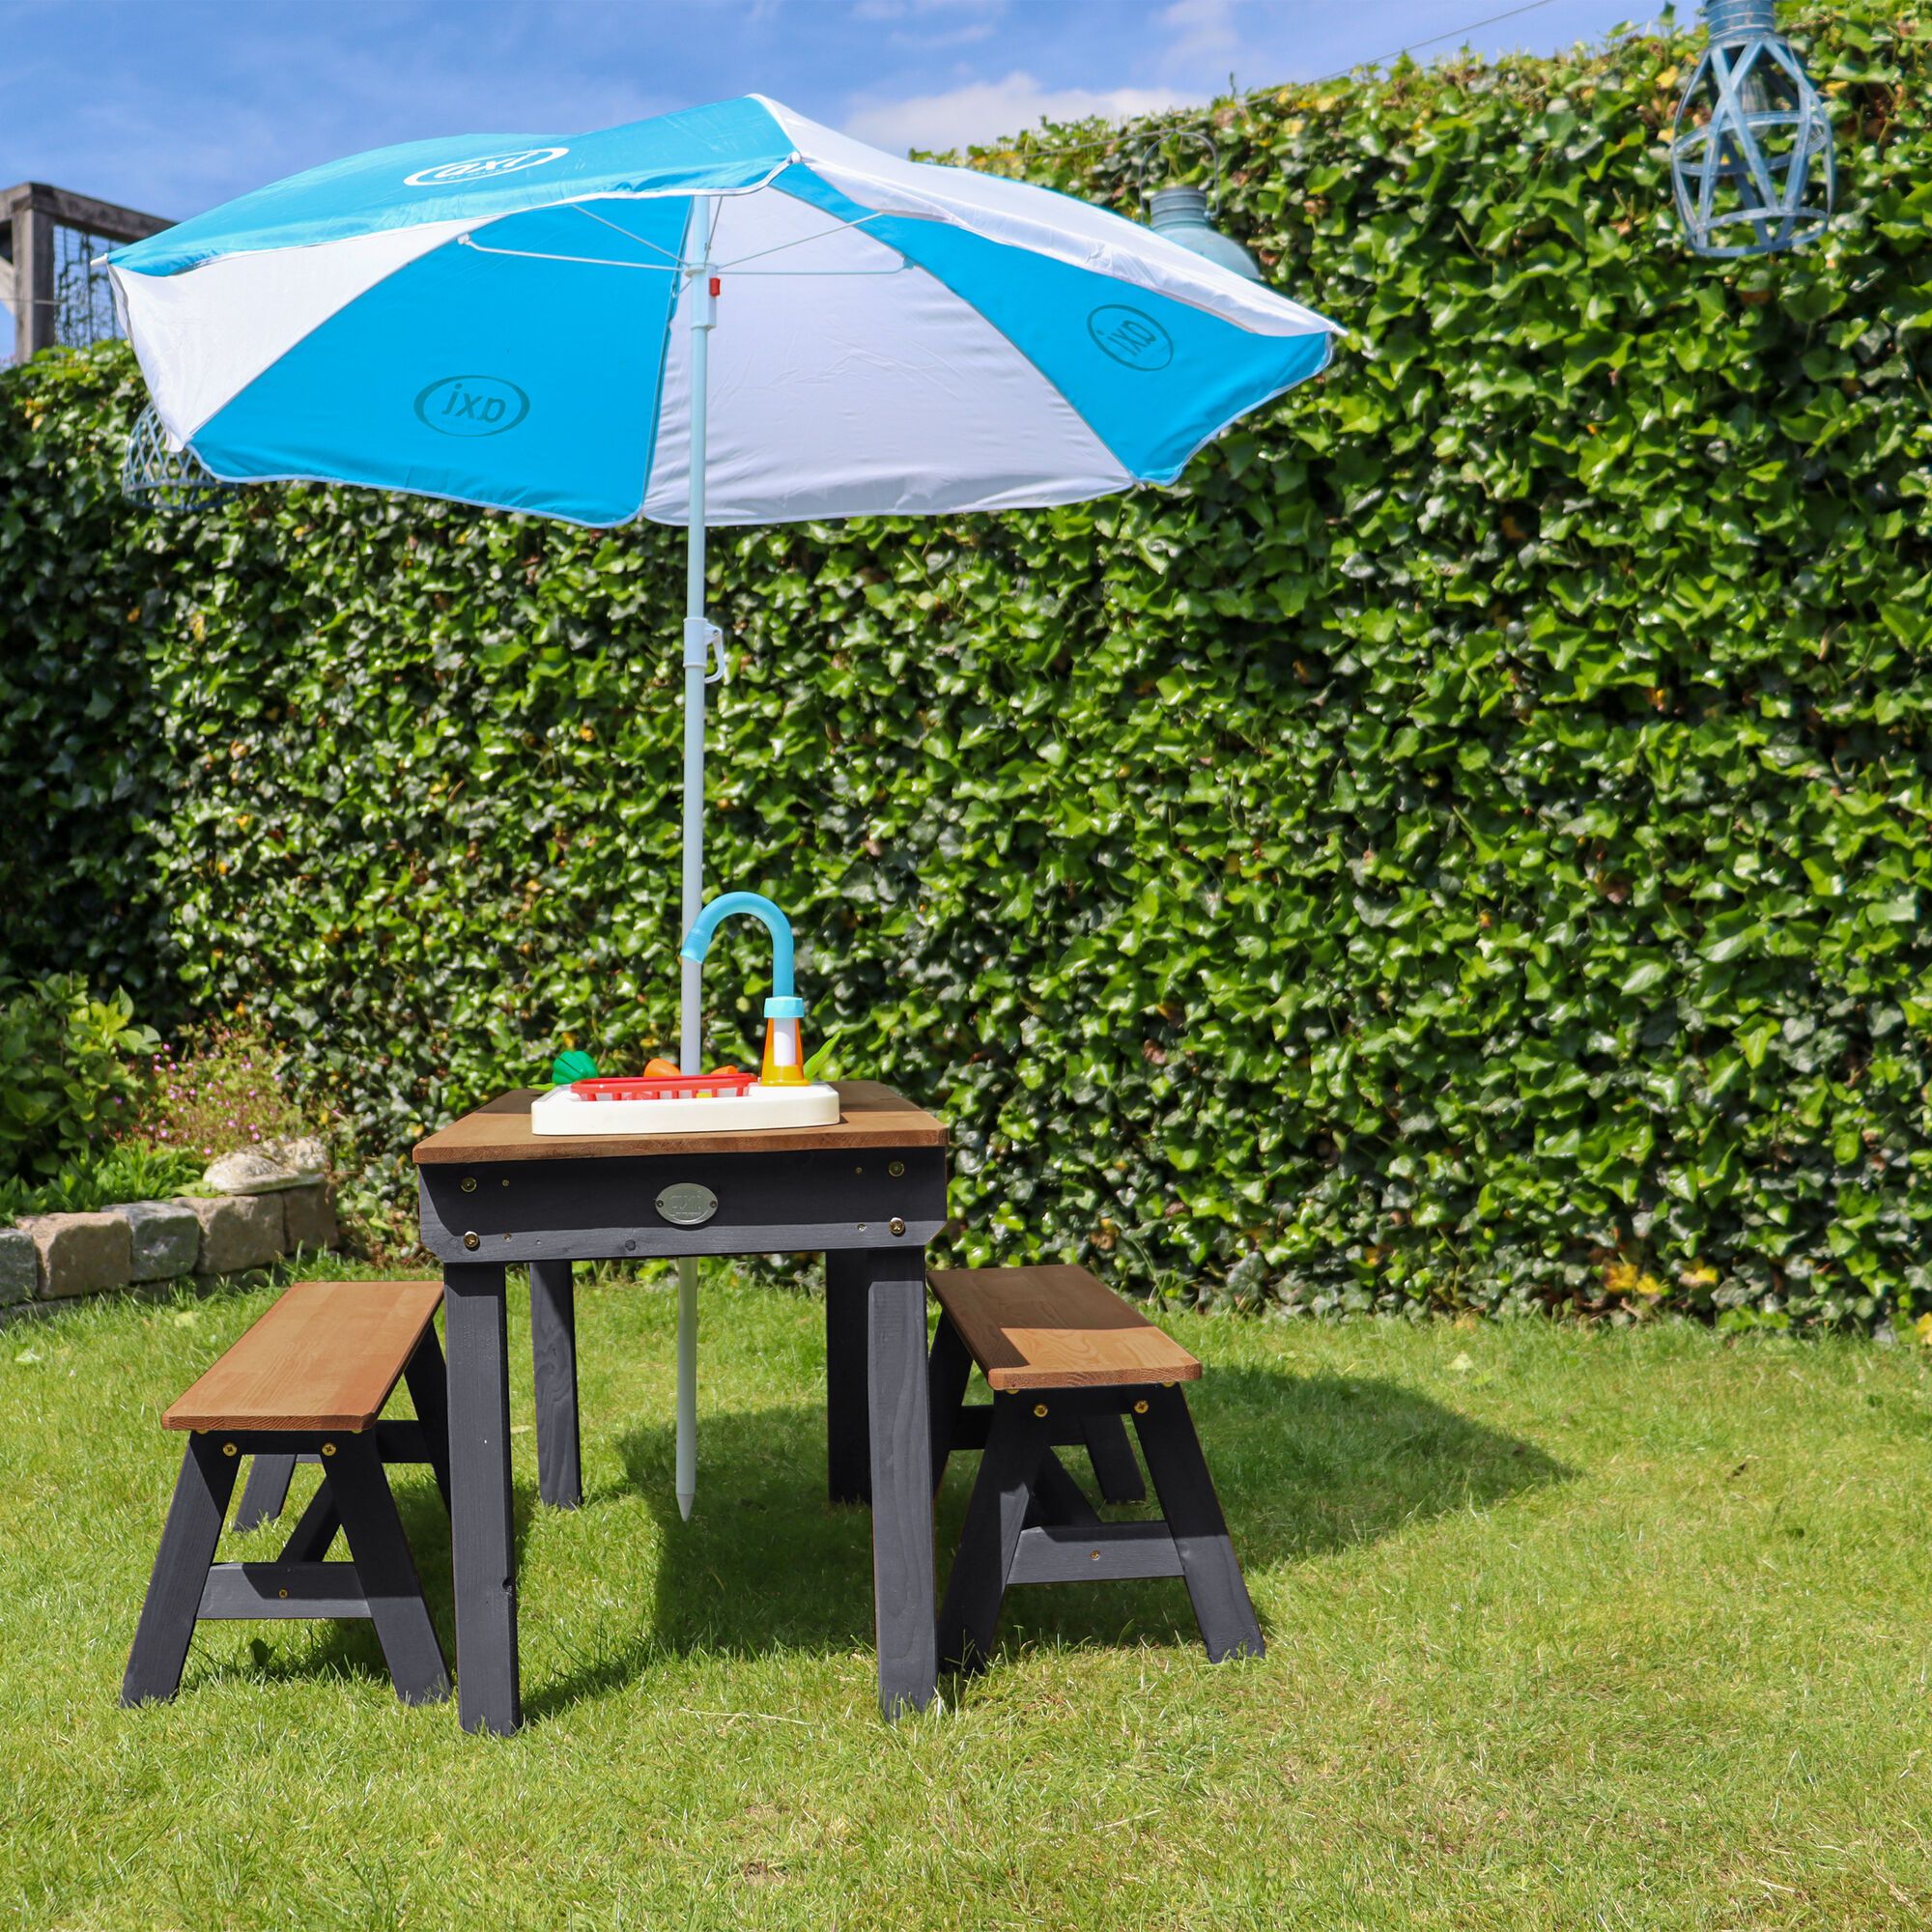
(1062, 1354)
(310, 1378)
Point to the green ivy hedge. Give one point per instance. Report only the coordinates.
(1466, 845)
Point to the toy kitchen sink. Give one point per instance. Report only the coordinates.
(664, 1101)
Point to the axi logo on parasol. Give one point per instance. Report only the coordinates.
(471, 405)
(482, 167)
(1131, 336)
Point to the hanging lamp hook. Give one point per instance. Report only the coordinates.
(1159, 142)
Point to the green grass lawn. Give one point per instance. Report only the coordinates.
(1567, 1629)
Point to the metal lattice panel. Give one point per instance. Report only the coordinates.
(159, 475)
(1752, 152)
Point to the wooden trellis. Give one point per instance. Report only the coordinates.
(49, 240)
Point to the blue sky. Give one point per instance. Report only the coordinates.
(174, 105)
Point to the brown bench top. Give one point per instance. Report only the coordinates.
(1055, 1327)
(325, 1356)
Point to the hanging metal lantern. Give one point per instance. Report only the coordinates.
(1752, 152)
(160, 474)
(1182, 214)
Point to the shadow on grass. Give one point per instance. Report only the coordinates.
(1306, 1465)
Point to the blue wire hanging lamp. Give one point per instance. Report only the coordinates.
(160, 474)
(1750, 154)
(1182, 213)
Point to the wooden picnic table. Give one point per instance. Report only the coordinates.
(867, 1192)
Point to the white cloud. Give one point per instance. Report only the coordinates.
(1199, 28)
(985, 110)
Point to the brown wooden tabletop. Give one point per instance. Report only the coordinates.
(869, 1116)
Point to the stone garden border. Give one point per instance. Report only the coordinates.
(142, 1243)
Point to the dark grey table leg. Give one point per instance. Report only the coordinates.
(265, 1491)
(902, 1460)
(481, 1524)
(554, 1348)
(429, 1390)
(173, 1601)
(848, 1453)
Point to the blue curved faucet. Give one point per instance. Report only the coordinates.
(698, 943)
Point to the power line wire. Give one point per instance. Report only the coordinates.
(1033, 146)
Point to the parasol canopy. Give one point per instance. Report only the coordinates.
(504, 320)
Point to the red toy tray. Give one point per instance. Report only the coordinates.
(729, 1083)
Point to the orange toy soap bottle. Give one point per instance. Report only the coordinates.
(784, 1047)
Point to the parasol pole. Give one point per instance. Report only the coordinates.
(697, 643)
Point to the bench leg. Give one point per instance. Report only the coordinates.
(1057, 1499)
(168, 1611)
(386, 1571)
(429, 1390)
(949, 1368)
(482, 1525)
(969, 1620)
(266, 1492)
(554, 1348)
(1200, 1532)
(315, 1529)
(1112, 1455)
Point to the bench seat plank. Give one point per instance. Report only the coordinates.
(1055, 1327)
(325, 1356)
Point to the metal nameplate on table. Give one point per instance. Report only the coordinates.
(687, 1204)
